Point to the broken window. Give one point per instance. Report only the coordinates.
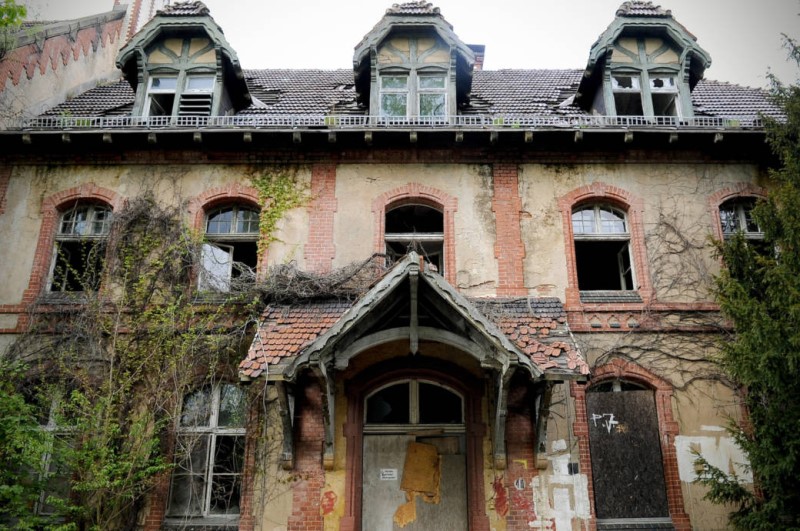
(230, 252)
(602, 248)
(415, 227)
(80, 248)
(414, 402)
(195, 98)
(664, 94)
(737, 215)
(627, 95)
(209, 454)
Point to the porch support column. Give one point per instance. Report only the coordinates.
(286, 407)
(325, 376)
(543, 401)
(501, 412)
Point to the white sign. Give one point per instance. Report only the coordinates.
(388, 474)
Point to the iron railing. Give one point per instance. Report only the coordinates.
(311, 121)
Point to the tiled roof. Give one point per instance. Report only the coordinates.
(182, 9)
(639, 8)
(508, 92)
(413, 8)
(537, 326)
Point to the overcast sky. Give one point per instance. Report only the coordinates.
(743, 37)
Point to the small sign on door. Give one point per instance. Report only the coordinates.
(388, 474)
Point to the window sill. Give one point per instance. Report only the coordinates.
(201, 524)
(610, 296)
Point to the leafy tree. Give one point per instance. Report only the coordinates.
(11, 15)
(759, 291)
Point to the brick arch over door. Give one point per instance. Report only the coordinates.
(52, 207)
(667, 427)
(716, 199)
(426, 195)
(599, 192)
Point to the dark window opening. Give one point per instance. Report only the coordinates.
(161, 104)
(231, 250)
(439, 405)
(78, 265)
(628, 104)
(603, 265)
(665, 105)
(737, 215)
(416, 228)
(390, 405)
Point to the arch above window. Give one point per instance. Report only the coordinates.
(736, 215)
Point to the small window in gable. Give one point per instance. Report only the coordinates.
(418, 228)
(194, 98)
(432, 95)
(602, 248)
(80, 248)
(664, 93)
(209, 454)
(230, 252)
(394, 96)
(736, 215)
(197, 96)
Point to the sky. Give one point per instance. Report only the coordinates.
(743, 37)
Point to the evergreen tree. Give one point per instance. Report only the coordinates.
(759, 291)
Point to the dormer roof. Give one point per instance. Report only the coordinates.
(640, 18)
(184, 18)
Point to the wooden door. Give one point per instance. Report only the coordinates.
(627, 466)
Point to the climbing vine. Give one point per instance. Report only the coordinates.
(279, 191)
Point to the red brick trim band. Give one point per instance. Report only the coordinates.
(319, 249)
(508, 248)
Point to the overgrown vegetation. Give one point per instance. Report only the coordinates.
(759, 290)
(11, 16)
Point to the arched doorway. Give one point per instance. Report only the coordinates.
(414, 458)
(414, 448)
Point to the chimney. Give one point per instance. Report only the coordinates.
(480, 52)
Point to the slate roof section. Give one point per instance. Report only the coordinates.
(506, 92)
(413, 8)
(184, 9)
(639, 8)
(537, 326)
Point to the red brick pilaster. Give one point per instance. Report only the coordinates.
(520, 445)
(307, 491)
(508, 248)
(319, 249)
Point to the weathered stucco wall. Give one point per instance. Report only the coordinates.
(677, 220)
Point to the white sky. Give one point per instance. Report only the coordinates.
(743, 37)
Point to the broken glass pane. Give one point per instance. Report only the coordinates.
(196, 408)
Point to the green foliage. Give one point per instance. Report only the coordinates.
(127, 355)
(759, 290)
(11, 16)
(279, 192)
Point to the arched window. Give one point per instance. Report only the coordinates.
(602, 248)
(80, 247)
(736, 215)
(415, 227)
(209, 454)
(230, 252)
(414, 402)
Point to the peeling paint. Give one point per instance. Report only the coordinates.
(500, 497)
(721, 452)
(559, 498)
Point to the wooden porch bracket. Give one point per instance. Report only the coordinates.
(501, 412)
(542, 409)
(286, 407)
(413, 325)
(326, 381)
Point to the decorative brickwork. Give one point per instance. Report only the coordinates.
(716, 199)
(426, 195)
(599, 192)
(307, 491)
(667, 427)
(55, 52)
(508, 247)
(51, 209)
(320, 250)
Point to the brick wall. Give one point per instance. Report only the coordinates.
(320, 249)
(508, 248)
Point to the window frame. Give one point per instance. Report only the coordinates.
(599, 235)
(61, 238)
(413, 92)
(741, 208)
(417, 239)
(414, 409)
(228, 242)
(211, 431)
(182, 81)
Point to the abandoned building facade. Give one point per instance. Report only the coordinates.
(536, 353)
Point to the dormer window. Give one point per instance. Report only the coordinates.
(413, 95)
(195, 99)
(664, 92)
(627, 95)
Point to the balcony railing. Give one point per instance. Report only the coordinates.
(318, 121)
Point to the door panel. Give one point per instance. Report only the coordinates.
(383, 462)
(627, 466)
